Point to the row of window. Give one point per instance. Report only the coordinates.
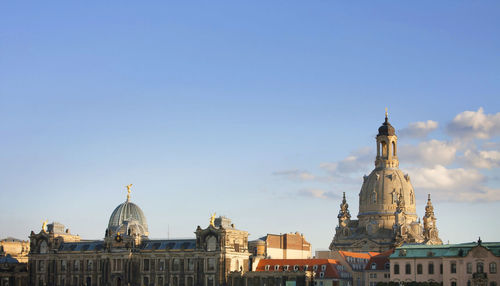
(177, 264)
(453, 268)
(295, 268)
(87, 281)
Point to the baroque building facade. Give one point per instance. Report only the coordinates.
(126, 256)
(387, 210)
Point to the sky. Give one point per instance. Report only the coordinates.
(261, 111)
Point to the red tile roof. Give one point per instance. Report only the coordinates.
(298, 265)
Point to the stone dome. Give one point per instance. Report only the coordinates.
(379, 195)
(128, 216)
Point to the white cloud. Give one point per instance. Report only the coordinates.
(475, 124)
(318, 193)
(428, 153)
(482, 159)
(296, 175)
(453, 184)
(419, 129)
(356, 162)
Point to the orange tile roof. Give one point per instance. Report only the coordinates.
(329, 272)
(363, 255)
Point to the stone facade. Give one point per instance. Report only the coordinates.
(16, 248)
(387, 210)
(127, 256)
(454, 264)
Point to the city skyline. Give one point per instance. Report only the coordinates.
(264, 113)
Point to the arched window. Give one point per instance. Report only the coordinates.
(393, 148)
(408, 268)
(431, 268)
(396, 268)
(493, 267)
(419, 268)
(384, 149)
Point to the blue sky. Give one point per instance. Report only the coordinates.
(263, 111)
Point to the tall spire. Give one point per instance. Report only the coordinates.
(430, 228)
(386, 145)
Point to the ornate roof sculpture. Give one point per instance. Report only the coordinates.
(387, 211)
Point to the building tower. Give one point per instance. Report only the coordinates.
(431, 233)
(386, 194)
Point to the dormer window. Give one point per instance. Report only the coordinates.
(267, 267)
(323, 267)
(276, 267)
(285, 268)
(306, 267)
(321, 274)
(374, 266)
(315, 267)
(295, 268)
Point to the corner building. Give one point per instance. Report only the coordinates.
(387, 211)
(126, 256)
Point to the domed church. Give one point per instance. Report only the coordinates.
(387, 212)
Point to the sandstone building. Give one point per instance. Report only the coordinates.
(126, 256)
(387, 211)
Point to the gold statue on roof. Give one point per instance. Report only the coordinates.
(386, 113)
(212, 220)
(44, 225)
(128, 191)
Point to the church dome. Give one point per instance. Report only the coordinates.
(128, 216)
(381, 190)
(386, 184)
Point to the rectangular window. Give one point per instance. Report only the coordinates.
(419, 269)
(63, 265)
(41, 265)
(469, 268)
(161, 265)
(190, 264)
(431, 268)
(211, 264)
(493, 268)
(210, 280)
(396, 268)
(441, 268)
(160, 281)
(453, 267)
(146, 265)
(176, 264)
(408, 268)
(145, 281)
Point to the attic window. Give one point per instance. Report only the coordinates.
(295, 268)
(321, 274)
(402, 252)
(306, 267)
(387, 266)
(267, 267)
(285, 268)
(323, 267)
(276, 267)
(430, 254)
(315, 267)
(374, 266)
